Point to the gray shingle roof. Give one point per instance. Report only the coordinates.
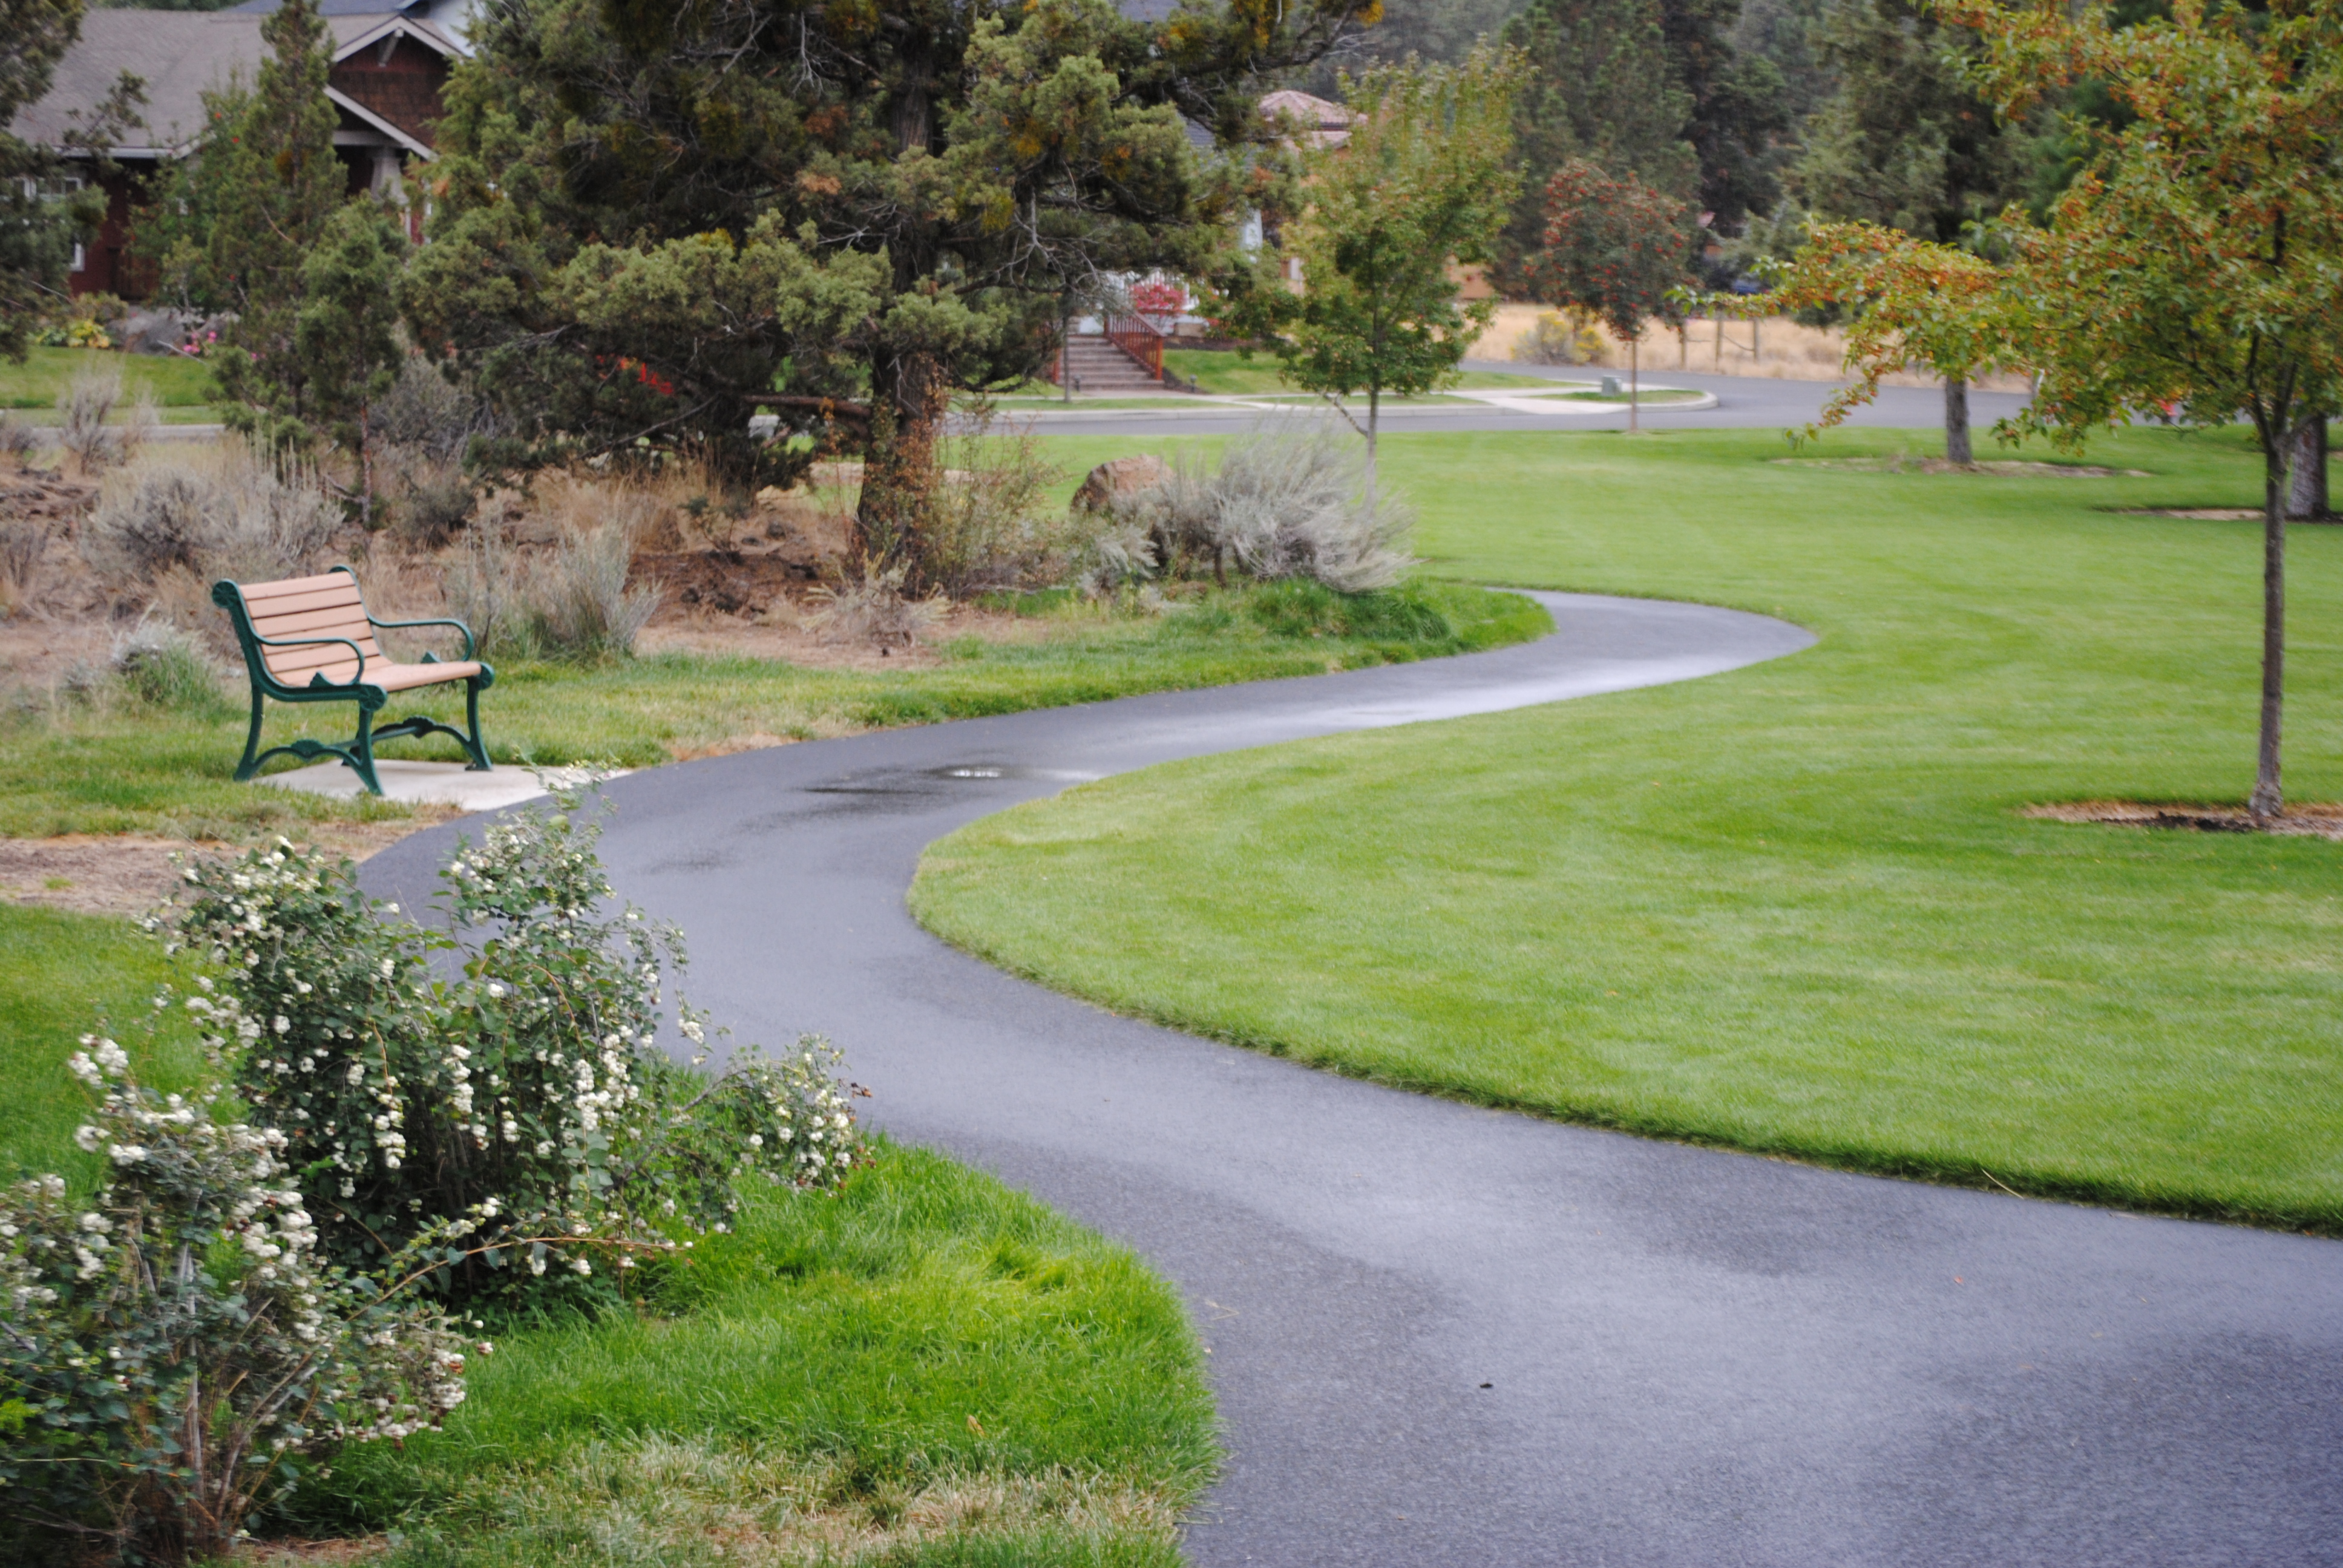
(180, 53)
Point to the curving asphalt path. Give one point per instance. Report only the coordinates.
(1445, 1335)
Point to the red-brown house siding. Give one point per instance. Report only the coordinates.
(403, 89)
(105, 266)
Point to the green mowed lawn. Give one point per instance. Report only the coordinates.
(177, 383)
(926, 1369)
(1796, 907)
(1226, 371)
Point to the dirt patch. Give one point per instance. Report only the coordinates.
(2197, 513)
(2314, 821)
(308, 1553)
(2005, 467)
(131, 873)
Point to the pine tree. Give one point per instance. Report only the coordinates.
(235, 223)
(1600, 88)
(890, 204)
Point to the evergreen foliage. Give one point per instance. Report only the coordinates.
(1905, 141)
(840, 215)
(345, 331)
(233, 226)
(38, 219)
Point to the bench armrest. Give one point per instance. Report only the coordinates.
(470, 646)
(356, 653)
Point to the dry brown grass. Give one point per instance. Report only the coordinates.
(651, 1497)
(1784, 350)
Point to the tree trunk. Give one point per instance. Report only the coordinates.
(1957, 422)
(1374, 412)
(890, 523)
(1635, 387)
(2268, 797)
(2307, 494)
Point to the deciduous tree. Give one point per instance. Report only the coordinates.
(1616, 248)
(2196, 263)
(1421, 182)
(1913, 303)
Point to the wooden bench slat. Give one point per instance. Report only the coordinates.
(286, 663)
(311, 621)
(297, 604)
(305, 654)
(255, 594)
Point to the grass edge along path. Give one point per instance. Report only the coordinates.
(1795, 909)
(930, 1369)
(121, 766)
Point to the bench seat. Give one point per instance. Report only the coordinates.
(311, 640)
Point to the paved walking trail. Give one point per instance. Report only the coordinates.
(1444, 1335)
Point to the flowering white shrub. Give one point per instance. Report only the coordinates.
(529, 1094)
(170, 1352)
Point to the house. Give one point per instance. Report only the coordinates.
(389, 69)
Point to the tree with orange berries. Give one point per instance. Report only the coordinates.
(2196, 265)
(1914, 305)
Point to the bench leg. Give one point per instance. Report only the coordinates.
(364, 747)
(479, 753)
(251, 763)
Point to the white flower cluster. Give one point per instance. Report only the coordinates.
(190, 1300)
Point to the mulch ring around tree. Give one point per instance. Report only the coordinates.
(2316, 821)
(2009, 468)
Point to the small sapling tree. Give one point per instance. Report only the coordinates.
(2196, 263)
(1616, 248)
(1422, 182)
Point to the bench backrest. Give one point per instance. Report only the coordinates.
(299, 608)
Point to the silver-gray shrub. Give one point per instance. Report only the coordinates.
(585, 608)
(575, 604)
(240, 517)
(1288, 500)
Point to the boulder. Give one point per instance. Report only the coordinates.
(1123, 477)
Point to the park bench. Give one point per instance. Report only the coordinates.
(310, 639)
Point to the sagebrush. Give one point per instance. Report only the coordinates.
(1288, 500)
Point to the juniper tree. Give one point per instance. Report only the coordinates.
(232, 227)
(840, 214)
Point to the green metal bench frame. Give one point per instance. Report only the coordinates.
(356, 753)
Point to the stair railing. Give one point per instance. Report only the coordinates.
(1137, 336)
